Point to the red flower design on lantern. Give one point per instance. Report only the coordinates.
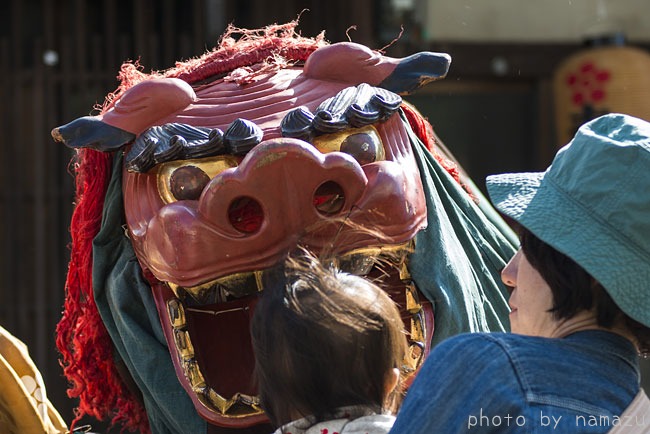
(587, 84)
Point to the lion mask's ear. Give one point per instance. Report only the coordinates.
(135, 111)
(352, 63)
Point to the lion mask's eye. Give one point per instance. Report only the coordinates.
(187, 182)
(186, 179)
(364, 144)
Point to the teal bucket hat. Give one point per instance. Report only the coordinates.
(593, 205)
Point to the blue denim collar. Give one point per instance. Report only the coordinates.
(612, 343)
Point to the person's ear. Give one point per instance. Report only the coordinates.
(391, 380)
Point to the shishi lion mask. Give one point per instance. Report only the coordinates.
(232, 160)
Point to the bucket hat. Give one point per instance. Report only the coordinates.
(593, 205)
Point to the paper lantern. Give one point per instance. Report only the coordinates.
(607, 77)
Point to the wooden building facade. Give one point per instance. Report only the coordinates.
(59, 58)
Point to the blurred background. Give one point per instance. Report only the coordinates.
(524, 74)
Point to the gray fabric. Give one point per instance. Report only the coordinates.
(347, 420)
(458, 257)
(128, 310)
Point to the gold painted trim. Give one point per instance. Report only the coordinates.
(413, 305)
(244, 405)
(413, 358)
(397, 251)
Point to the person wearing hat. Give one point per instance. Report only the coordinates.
(580, 302)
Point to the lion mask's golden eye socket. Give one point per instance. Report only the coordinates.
(362, 146)
(186, 179)
(187, 182)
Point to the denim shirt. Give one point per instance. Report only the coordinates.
(507, 383)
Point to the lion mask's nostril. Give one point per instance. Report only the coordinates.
(245, 214)
(329, 198)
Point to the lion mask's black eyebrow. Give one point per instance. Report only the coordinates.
(354, 106)
(176, 141)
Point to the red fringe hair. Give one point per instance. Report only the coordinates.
(423, 129)
(82, 339)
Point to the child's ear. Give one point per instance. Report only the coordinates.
(391, 380)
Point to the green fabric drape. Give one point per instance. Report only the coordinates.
(459, 256)
(128, 310)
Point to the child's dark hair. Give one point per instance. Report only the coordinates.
(323, 339)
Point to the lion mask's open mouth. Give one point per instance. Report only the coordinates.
(207, 330)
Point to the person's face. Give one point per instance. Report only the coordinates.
(530, 300)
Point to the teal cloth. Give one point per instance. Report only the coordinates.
(128, 310)
(459, 256)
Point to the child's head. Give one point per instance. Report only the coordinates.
(324, 339)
